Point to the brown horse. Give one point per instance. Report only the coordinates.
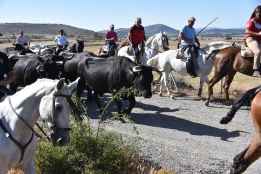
(253, 151)
(227, 63)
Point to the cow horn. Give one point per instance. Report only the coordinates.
(137, 69)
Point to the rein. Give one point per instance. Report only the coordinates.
(19, 145)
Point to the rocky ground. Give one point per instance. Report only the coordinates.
(185, 136)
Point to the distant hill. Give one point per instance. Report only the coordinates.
(209, 32)
(51, 29)
(150, 30)
(221, 32)
(46, 29)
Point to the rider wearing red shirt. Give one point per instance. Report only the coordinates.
(111, 35)
(111, 38)
(136, 37)
(253, 38)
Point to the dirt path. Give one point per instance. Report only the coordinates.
(185, 136)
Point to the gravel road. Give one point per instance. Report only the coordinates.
(185, 136)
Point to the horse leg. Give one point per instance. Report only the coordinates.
(243, 160)
(212, 82)
(166, 82)
(244, 100)
(174, 81)
(253, 152)
(161, 83)
(201, 83)
(239, 163)
(228, 80)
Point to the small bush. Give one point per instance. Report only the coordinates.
(86, 153)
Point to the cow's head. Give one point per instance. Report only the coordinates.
(143, 80)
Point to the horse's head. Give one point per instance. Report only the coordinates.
(164, 41)
(159, 41)
(55, 109)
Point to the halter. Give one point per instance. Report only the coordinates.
(23, 147)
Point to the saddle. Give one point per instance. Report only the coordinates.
(186, 55)
(246, 52)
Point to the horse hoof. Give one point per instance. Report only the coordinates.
(160, 94)
(207, 103)
(225, 120)
(172, 97)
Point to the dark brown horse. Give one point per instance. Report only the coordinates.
(253, 151)
(227, 63)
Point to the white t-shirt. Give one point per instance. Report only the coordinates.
(22, 40)
(190, 33)
(61, 40)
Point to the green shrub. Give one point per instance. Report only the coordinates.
(85, 153)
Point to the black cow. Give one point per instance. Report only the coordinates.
(112, 74)
(27, 69)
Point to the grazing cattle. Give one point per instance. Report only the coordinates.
(4, 65)
(253, 151)
(24, 70)
(113, 74)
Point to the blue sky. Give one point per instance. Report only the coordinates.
(98, 14)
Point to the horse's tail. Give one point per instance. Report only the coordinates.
(244, 100)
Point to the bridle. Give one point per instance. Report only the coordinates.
(34, 132)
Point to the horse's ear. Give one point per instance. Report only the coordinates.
(60, 84)
(72, 86)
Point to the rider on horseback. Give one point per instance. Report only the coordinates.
(21, 42)
(136, 38)
(189, 43)
(111, 38)
(61, 42)
(253, 38)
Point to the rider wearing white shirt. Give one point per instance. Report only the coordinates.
(21, 41)
(61, 42)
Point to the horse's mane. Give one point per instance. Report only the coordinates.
(47, 84)
(150, 39)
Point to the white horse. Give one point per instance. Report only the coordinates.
(168, 61)
(153, 46)
(44, 99)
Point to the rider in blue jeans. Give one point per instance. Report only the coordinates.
(189, 42)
